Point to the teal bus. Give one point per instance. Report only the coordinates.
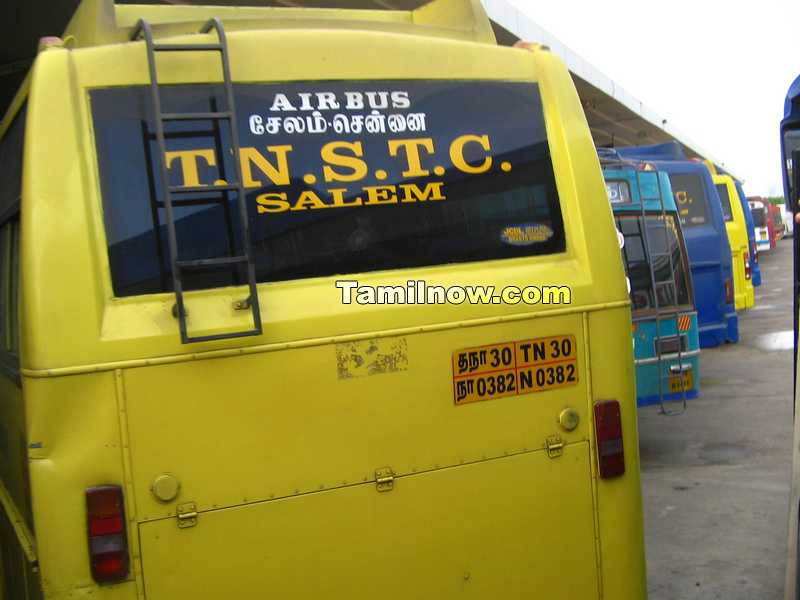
(664, 318)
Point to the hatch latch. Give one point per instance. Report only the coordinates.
(187, 515)
(384, 479)
(555, 446)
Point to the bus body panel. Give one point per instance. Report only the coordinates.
(442, 516)
(301, 488)
(622, 576)
(744, 293)
(648, 373)
(113, 397)
(75, 443)
(790, 144)
(416, 395)
(19, 577)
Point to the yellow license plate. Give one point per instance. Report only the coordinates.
(675, 382)
(514, 368)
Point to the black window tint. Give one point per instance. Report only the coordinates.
(791, 143)
(668, 259)
(725, 201)
(9, 286)
(690, 196)
(759, 216)
(11, 147)
(432, 173)
(11, 166)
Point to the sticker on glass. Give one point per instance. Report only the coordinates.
(526, 234)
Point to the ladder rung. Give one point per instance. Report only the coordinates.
(181, 47)
(198, 116)
(223, 336)
(203, 188)
(205, 263)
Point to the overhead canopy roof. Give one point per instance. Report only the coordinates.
(615, 117)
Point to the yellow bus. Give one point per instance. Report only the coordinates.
(735, 224)
(237, 359)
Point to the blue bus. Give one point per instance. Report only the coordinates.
(755, 270)
(706, 239)
(790, 155)
(664, 319)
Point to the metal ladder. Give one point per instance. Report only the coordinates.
(178, 266)
(656, 285)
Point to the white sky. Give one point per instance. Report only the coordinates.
(718, 71)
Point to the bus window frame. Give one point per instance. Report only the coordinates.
(725, 201)
(794, 181)
(558, 215)
(652, 312)
(708, 220)
(621, 182)
(9, 306)
(10, 264)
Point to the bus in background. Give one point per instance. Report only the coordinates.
(664, 320)
(788, 226)
(790, 163)
(751, 234)
(198, 404)
(706, 239)
(732, 224)
(743, 290)
(776, 223)
(765, 238)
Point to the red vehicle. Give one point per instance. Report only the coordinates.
(777, 229)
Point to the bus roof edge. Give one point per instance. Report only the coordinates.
(101, 22)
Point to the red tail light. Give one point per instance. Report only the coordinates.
(610, 450)
(748, 271)
(108, 544)
(728, 291)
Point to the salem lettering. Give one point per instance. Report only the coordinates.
(279, 202)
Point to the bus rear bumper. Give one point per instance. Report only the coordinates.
(672, 397)
(713, 335)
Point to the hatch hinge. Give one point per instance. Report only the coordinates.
(555, 446)
(384, 479)
(187, 515)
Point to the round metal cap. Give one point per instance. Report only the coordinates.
(568, 419)
(166, 487)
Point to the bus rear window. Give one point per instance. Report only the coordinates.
(725, 201)
(340, 177)
(690, 196)
(667, 257)
(759, 216)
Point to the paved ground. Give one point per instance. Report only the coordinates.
(716, 479)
